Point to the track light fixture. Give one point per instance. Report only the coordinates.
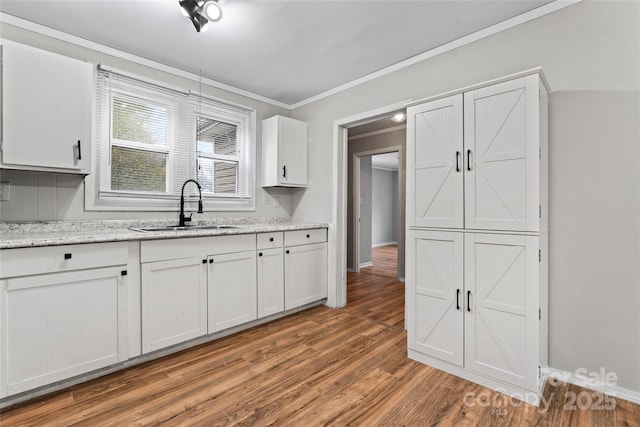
(200, 12)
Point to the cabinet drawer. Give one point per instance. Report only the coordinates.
(160, 250)
(51, 259)
(269, 240)
(303, 237)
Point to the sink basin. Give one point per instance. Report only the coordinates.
(185, 228)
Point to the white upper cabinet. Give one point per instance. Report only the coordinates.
(284, 152)
(46, 111)
(436, 172)
(502, 146)
(474, 159)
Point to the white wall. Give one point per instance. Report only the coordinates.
(384, 189)
(47, 196)
(589, 52)
(366, 183)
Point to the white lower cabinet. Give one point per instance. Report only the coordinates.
(174, 302)
(473, 302)
(232, 289)
(69, 319)
(305, 274)
(270, 282)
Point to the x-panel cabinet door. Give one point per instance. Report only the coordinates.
(501, 307)
(501, 130)
(435, 177)
(435, 279)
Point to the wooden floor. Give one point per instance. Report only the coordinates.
(319, 367)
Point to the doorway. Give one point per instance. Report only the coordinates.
(375, 211)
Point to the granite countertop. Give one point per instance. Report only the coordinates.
(52, 233)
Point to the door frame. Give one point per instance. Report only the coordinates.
(355, 226)
(337, 283)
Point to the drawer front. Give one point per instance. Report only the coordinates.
(269, 240)
(161, 250)
(52, 259)
(304, 237)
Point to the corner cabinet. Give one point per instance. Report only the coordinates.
(64, 313)
(46, 111)
(284, 152)
(477, 291)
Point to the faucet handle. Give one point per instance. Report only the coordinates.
(188, 218)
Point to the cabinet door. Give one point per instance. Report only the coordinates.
(501, 156)
(305, 274)
(55, 326)
(46, 101)
(174, 302)
(435, 294)
(233, 291)
(292, 152)
(270, 282)
(501, 319)
(434, 175)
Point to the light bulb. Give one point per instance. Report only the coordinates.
(399, 117)
(212, 10)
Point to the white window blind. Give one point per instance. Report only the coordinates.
(150, 139)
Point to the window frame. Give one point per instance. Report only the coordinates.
(99, 198)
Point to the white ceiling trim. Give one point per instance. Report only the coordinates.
(88, 44)
(478, 35)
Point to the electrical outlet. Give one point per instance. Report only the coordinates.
(5, 195)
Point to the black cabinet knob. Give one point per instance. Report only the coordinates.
(211, 261)
(287, 251)
(271, 239)
(260, 254)
(67, 256)
(308, 235)
(204, 261)
(123, 273)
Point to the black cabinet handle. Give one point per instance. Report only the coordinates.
(287, 251)
(468, 160)
(123, 273)
(284, 171)
(457, 161)
(79, 151)
(67, 256)
(211, 261)
(308, 235)
(457, 299)
(260, 254)
(271, 239)
(204, 261)
(469, 301)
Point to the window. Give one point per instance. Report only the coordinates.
(149, 140)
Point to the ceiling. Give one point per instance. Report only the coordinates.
(287, 51)
(385, 161)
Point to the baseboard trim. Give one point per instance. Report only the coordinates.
(366, 264)
(377, 245)
(595, 385)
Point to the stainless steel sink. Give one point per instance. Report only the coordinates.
(185, 228)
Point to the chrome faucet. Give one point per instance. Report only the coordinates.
(183, 219)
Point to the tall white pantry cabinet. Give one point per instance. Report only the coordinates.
(477, 287)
